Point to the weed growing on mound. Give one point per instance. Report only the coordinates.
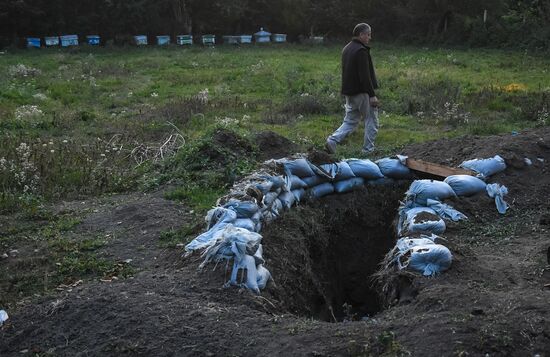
(205, 169)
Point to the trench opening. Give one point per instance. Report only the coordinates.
(325, 254)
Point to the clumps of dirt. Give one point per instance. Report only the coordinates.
(423, 217)
(318, 157)
(273, 146)
(323, 255)
(232, 142)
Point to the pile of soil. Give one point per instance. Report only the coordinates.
(493, 300)
(273, 146)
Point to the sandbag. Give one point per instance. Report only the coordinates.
(231, 242)
(299, 167)
(383, 181)
(465, 185)
(445, 211)
(299, 194)
(365, 169)
(263, 276)
(207, 238)
(293, 182)
(349, 184)
(245, 223)
(496, 191)
(244, 209)
(270, 197)
(338, 171)
(322, 190)
(314, 180)
(271, 183)
(287, 199)
(428, 259)
(422, 190)
(393, 168)
(246, 263)
(406, 243)
(485, 167)
(422, 219)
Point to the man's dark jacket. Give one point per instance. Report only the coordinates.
(357, 70)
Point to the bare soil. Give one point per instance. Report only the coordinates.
(494, 300)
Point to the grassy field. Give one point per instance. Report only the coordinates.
(89, 121)
(83, 123)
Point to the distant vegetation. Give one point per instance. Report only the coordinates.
(503, 23)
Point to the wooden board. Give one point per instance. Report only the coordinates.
(436, 169)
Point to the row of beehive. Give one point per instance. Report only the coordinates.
(94, 40)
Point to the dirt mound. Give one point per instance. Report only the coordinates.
(273, 146)
(493, 300)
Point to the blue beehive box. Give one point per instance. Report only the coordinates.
(262, 36)
(163, 40)
(184, 40)
(231, 40)
(208, 40)
(51, 41)
(33, 42)
(140, 40)
(69, 40)
(245, 39)
(93, 40)
(278, 37)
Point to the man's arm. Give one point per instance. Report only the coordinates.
(365, 80)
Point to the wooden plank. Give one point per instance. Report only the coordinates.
(436, 169)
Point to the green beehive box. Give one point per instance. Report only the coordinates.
(208, 40)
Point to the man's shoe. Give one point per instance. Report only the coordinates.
(330, 147)
(367, 151)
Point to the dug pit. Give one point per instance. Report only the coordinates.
(323, 254)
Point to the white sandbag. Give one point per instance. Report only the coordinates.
(393, 168)
(423, 219)
(231, 242)
(246, 263)
(322, 190)
(3, 317)
(365, 169)
(287, 199)
(406, 243)
(299, 167)
(422, 190)
(496, 191)
(428, 259)
(271, 183)
(207, 238)
(263, 276)
(465, 185)
(485, 167)
(349, 184)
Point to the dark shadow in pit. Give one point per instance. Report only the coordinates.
(323, 254)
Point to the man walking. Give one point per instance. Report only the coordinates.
(358, 85)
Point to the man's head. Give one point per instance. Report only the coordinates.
(362, 32)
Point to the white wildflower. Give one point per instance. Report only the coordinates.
(154, 94)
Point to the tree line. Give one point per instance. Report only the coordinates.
(517, 23)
